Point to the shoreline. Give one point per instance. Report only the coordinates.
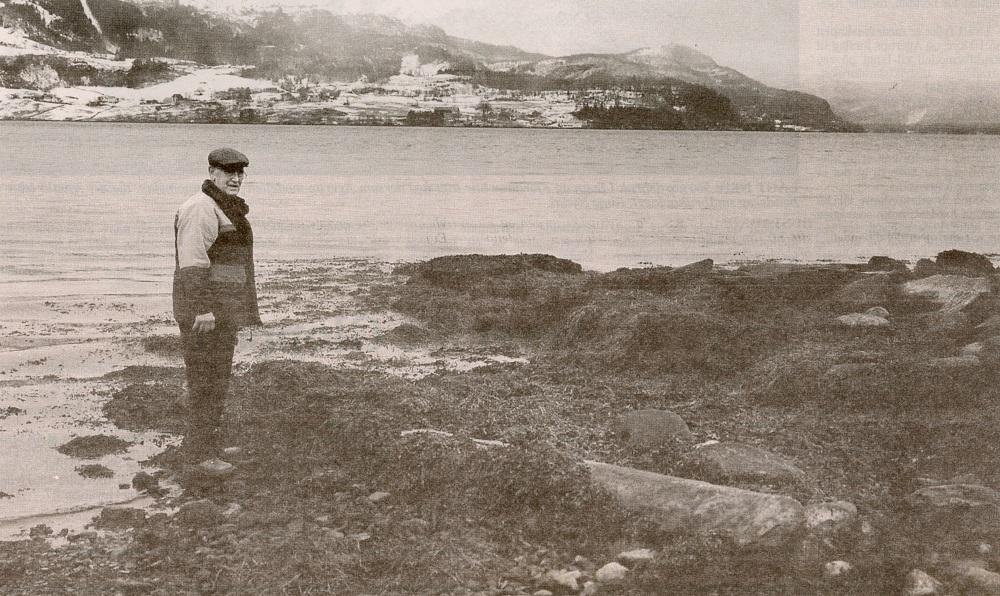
(523, 368)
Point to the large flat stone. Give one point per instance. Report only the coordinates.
(679, 504)
(952, 292)
(649, 429)
(722, 462)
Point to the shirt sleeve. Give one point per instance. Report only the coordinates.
(197, 229)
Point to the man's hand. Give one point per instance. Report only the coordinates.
(204, 323)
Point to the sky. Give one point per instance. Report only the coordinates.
(786, 43)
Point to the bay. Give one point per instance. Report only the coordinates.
(90, 205)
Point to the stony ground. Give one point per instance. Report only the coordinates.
(866, 393)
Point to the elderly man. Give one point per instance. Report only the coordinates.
(214, 294)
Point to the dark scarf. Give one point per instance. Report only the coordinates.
(235, 208)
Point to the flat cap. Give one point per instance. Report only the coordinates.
(225, 157)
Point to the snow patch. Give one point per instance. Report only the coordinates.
(200, 84)
(411, 66)
(915, 117)
(90, 15)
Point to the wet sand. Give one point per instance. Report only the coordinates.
(59, 352)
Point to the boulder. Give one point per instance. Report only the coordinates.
(562, 579)
(200, 513)
(649, 429)
(655, 278)
(975, 577)
(378, 497)
(952, 292)
(926, 268)
(952, 495)
(973, 349)
(639, 555)
(612, 572)
(878, 311)
(880, 263)
(738, 462)
(962, 510)
(832, 515)
(918, 583)
(869, 289)
(837, 568)
(119, 517)
(964, 263)
(858, 319)
(679, 504)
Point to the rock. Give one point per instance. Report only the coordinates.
(881, 263)
(145, 482)
(562, 579)
(837, 568)
(965, 509)
(918, 583)
(88, 535)
(655, 278)
(679, 504)
(94, 446)
(862, 320)
(829, 516)
(973, 574)
(200, 513)
(964, 263)
(590, 589)
(952, 495)
(234, 452)
(119, 517)
(984, 548)
(926, 268)
(610, 573)
(877, 311)
(869, 289)
(40, 531)
(216, 468)
(973, 349)
(649, 429)
(952, 292)
(738, 462)
(542, 593)
(639, 555)
(232, 509)
(378, 497)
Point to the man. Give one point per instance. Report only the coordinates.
(214, 293)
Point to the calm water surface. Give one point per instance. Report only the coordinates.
(89, 206)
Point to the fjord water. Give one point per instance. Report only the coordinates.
(88, 207)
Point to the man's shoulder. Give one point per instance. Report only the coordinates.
(198, 202)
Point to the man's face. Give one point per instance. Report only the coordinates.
(228, 182)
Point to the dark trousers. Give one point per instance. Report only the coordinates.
(208, 362)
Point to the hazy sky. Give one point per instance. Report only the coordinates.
(781, 42)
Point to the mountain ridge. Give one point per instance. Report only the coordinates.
(321, 46)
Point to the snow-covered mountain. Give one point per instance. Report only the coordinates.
(323, 46)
